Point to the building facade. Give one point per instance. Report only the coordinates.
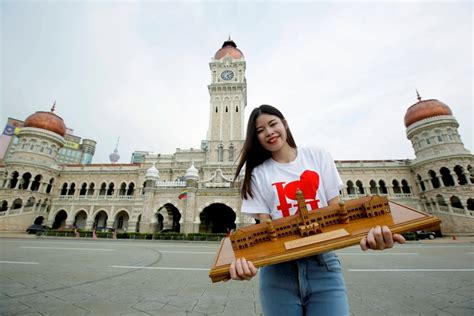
(192, 190)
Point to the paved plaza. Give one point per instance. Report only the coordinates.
(52, 276)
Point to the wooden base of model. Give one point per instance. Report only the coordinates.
(313, 232)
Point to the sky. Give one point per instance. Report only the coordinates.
(343, 73)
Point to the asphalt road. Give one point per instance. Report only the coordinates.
(113, 277)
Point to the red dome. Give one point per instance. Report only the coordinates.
(48, 121)
(425, 109)
(229, 47)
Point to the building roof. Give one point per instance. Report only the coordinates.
(424, 109)
(229, 47)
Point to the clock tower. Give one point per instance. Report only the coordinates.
(228, 98)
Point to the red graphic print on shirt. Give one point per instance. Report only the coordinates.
(308, 183)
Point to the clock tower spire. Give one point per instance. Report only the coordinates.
(228, 98)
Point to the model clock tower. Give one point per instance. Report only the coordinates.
(228, 98)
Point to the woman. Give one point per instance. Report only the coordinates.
(274, 168)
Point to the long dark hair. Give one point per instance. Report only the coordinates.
(253, 154)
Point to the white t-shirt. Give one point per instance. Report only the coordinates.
(274, 184)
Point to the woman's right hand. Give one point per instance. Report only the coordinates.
(241, 269)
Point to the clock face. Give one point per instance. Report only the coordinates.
(227, 75)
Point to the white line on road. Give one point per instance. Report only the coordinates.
(18, 262)
(377, 253)
(121, 242)
(159, 268)
(188, 252)
(59, 248)
(410, 270)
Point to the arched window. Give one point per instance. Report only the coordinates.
(470, 204)
(448, 180)
(350, 188)
(396, 187)
(434, 179)
(90, 191)
(36, 183)
(383, 188)
(72, 189)
(373, 187)
(420, 181)
(440, 200)
(360, 187)
(4, 206)
(30, 202)
(455, 202)
(17, 203)
(83, 190)
(470, 169)
(103, 188)
(405, 187)
(123, 188)
(14, 180)
(460, 174)
(110, 190)
(131, 188)
(50, 185)
(25, 180)
(220, 153)
(63, 189)
(231, 152)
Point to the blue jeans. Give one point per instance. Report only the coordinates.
(309, 286)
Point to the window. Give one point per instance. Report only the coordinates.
(220, 153)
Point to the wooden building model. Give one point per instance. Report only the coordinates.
(306, 223)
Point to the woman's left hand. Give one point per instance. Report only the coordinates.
(380, 238)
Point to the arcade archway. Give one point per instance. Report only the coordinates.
(100, 219)
(121, 221)
(60, 219)
(167, 218)
(217, 218)
(80, 219)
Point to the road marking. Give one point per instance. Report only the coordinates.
(18, 262)
(135, 243)
(410, 270)
(435, 246)
(377, 254)
(188, 252)
(160, 268)
(60, 248)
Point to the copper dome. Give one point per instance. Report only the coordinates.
(229, 47)
(425, 109)
(48, 121)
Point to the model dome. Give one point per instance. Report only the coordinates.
(425, 109)
(229, 47)
(48, 121)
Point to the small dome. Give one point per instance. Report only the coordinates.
(48, 121)
(192, 173)
(425, 109)
(152, 173)
(229, 47)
